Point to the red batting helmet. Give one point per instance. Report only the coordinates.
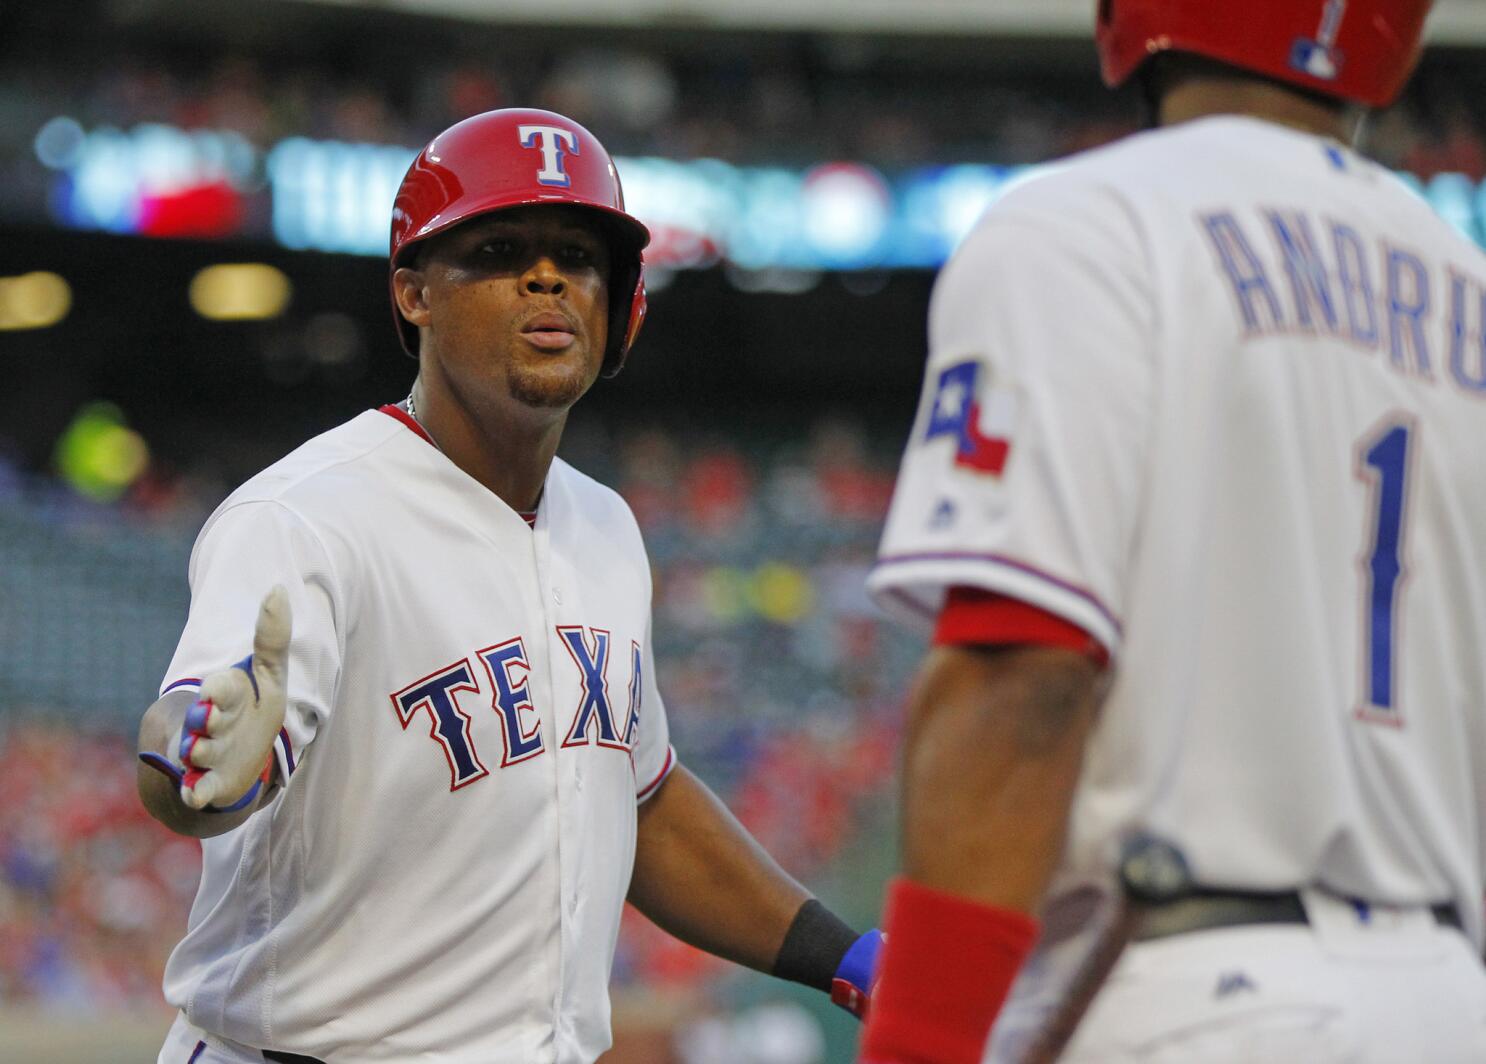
(1359, 50)
(521, 157)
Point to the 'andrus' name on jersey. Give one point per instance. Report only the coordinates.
(1324, 278)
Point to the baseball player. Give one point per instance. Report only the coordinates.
(1195, 504)
(426, 793)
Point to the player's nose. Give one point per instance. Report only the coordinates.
(543, 277)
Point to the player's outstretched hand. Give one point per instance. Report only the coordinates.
(226, 742)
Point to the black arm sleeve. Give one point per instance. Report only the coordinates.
(813, 947)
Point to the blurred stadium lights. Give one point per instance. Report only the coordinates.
(33, 300)
(336, 197)
(332, 196)
(1453, 21)
(847, 208)
(154, 179)
(59, 143)
(99, 455)
(240, 291)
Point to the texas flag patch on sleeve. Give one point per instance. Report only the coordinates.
(980, 419)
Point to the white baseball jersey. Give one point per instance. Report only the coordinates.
(471, 719)
(1216, 394)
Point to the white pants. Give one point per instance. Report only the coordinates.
(1347, 988)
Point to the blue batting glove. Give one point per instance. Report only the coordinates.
(852, 986)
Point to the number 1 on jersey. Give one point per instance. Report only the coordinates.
(1385, 455)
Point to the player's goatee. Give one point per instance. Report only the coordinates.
(547, 389)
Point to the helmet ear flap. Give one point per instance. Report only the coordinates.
(624, 323)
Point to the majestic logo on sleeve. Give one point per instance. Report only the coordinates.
(554, 142)
(1320, 58)
(979, 420)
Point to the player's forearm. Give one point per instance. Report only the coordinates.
(161, 796)
(994, 747)
(993, 752)
(700, 876)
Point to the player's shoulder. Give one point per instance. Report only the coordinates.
(1086, 182)
(321, 474)
(1428, 230)
(1154, 170)
(1093, 201)
(1078, 220)
(339, 450)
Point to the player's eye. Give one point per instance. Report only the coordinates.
(498, 247)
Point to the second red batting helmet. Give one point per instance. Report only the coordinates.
(522, 157)
(1359, 50)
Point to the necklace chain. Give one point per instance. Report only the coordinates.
(413, 413)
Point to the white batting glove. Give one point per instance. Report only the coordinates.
(226, 742)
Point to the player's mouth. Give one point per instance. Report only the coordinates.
(550, 331)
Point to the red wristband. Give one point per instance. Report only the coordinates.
(947, 965)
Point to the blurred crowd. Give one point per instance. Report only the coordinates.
(755, 101)
(740, 109)
(781, 681)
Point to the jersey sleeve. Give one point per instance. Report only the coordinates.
(242, 553)
(1024, 471)
(650, 735)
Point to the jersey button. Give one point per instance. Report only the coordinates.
(557, 595)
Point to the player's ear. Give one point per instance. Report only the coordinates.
(411, 292)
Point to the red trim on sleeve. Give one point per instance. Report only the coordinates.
(974, 616)
(946, 967)
(407, 419)
(665, 770)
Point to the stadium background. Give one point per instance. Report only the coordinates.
(195, 196)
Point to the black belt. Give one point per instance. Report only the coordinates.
(288, 1058)
(1204, 910)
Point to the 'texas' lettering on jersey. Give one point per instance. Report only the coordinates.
(1292, 273)
(505, 668)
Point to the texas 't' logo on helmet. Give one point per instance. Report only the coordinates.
(554, 142)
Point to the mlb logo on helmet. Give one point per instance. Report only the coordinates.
(1320, 58)
(551, 140)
